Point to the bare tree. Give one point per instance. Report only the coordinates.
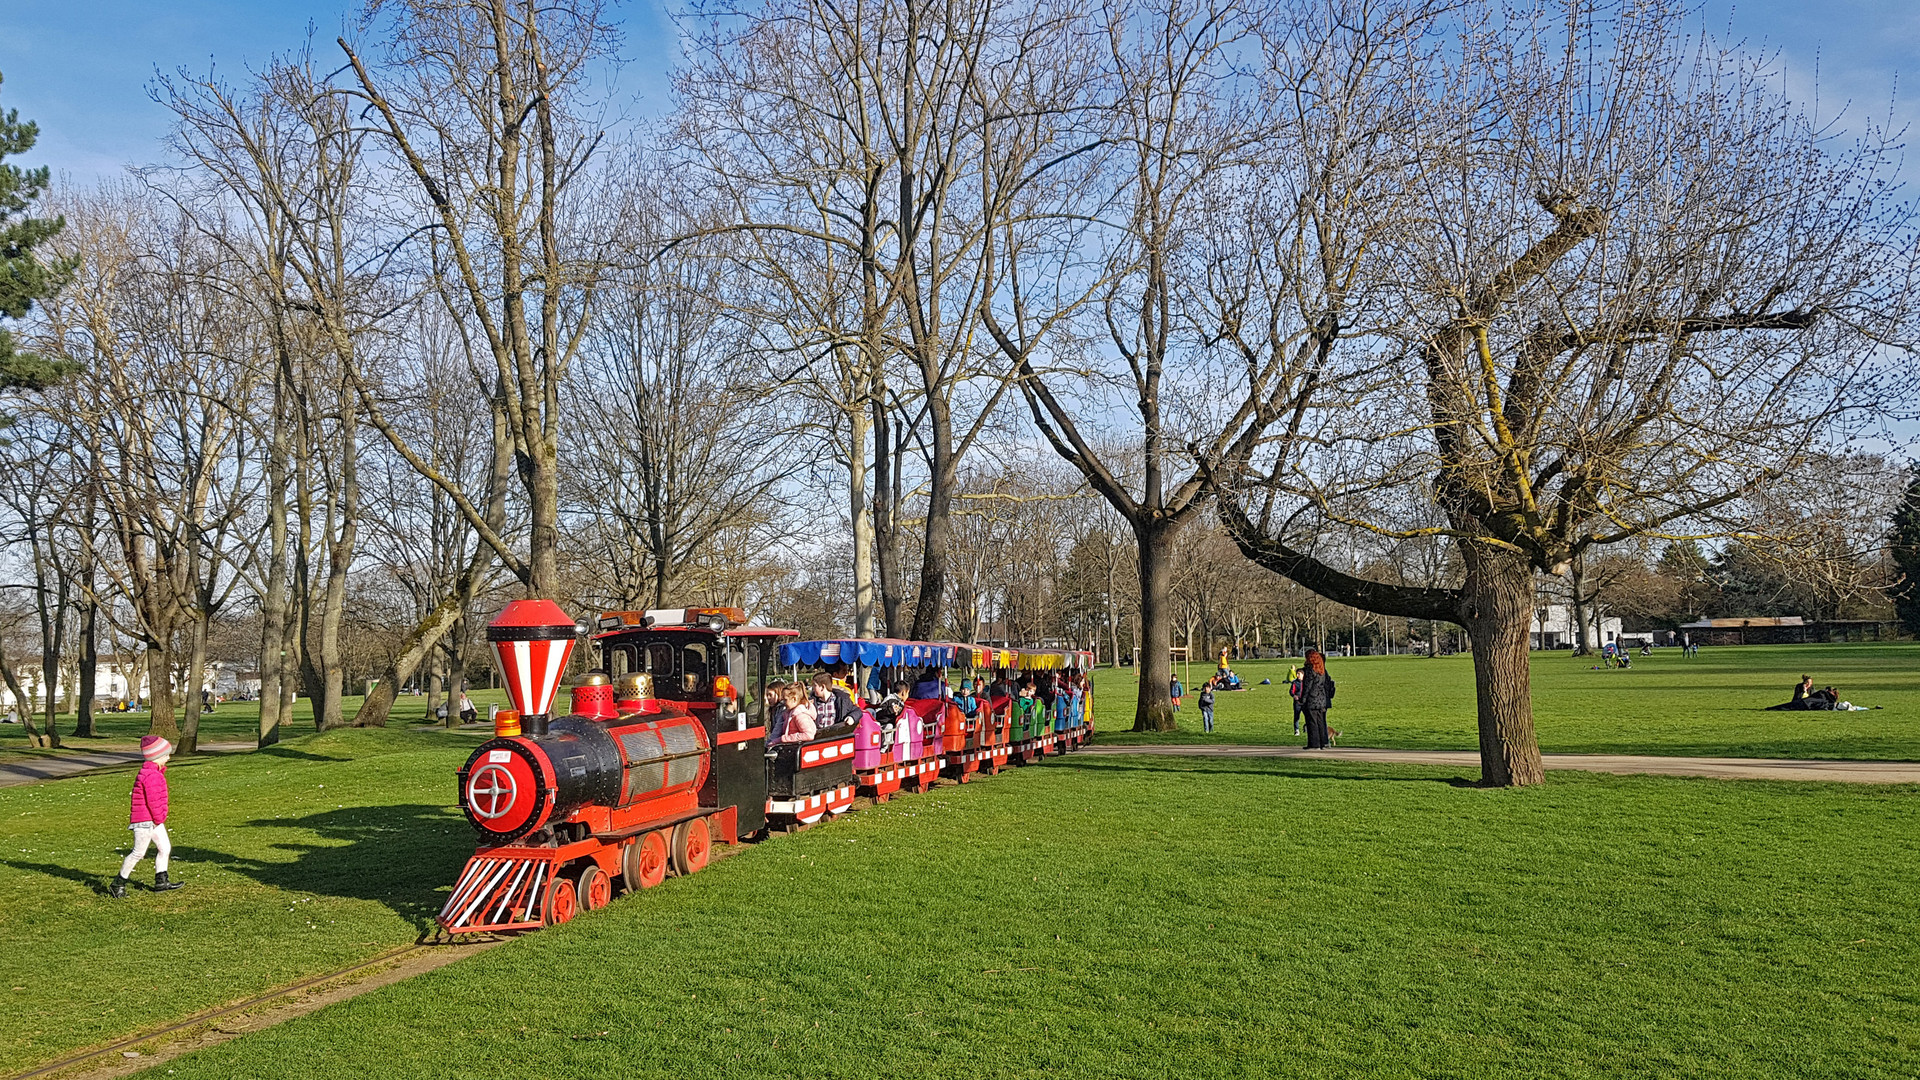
(480, 103)
(1642, 285)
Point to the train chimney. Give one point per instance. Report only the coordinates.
(532, 640)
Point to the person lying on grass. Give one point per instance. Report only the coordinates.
(147, 818)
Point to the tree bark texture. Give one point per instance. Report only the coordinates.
(1154, 711)
(1497, 602)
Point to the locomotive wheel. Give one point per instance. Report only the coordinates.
(692, 844)
(562, 901)
(593, 887)
(644, 864)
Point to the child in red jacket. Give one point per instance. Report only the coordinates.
(148, 817)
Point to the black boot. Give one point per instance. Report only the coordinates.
(161, 884)
(118, 890)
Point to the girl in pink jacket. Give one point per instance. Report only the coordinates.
(148, 817)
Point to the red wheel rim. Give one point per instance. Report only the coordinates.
(653, 860)
(562, 903)
(595, 888)
(698, 845)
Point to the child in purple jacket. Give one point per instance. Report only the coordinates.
(148, 817)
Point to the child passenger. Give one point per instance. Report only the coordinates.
(799, 726)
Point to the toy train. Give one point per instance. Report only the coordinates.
(666, 749)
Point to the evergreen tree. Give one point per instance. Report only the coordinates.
(24, 277)
(1905, 545)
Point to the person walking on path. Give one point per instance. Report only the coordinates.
(1316, 697)
(1206, 706)
(148, 818)
(1293, 690)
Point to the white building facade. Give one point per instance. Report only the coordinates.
(1553, 627)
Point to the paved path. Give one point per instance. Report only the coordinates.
(53, 768)
(1853, 772)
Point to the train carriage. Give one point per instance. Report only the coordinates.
(887, 757)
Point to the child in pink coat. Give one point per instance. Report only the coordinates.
(147, 817)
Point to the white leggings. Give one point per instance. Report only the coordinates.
(144, 832)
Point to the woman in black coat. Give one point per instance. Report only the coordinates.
(1316, 697)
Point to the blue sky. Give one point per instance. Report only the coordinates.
(80, 67)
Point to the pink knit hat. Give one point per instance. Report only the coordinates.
(153, 747)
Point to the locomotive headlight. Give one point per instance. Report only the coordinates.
(722, 688)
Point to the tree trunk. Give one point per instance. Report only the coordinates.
(436, 682)
(1498, 605)
(456, 673)
(196, 681)
(89, 668)
(329, 712)
(1577, 611)
(863, 608)
(933, 557)
(160, 694)
(273, 604)
(886, 527)
(1154, 711)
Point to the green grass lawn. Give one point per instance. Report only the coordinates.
(1137, 917)
(299, 859)
(1712, 705)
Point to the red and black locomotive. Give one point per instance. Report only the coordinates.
(664, 753)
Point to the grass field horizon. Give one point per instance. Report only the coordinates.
(1712, 705)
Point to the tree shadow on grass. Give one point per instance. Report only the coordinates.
(291, 754)
(94, 882)
(1287, 773)
(402, 857)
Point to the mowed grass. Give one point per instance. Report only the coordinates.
(1712, 705)
(1140, 917)
(298, 860)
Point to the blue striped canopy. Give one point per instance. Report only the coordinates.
(867, 652)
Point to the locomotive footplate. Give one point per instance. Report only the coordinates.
(521, 887)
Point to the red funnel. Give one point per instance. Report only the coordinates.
(532, 640)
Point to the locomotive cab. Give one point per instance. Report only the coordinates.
(705, 661)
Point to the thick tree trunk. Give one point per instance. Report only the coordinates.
(1154, 710)
(1497, 601)
(160, 694)
(933, 557)
(89, 666)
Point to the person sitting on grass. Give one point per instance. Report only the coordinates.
(1802, 691)
(148, 818)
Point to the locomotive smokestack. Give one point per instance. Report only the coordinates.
(532, 640)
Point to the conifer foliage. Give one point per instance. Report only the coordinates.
(24, 277)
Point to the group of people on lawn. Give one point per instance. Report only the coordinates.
(1807, 699)
(1310, 687)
